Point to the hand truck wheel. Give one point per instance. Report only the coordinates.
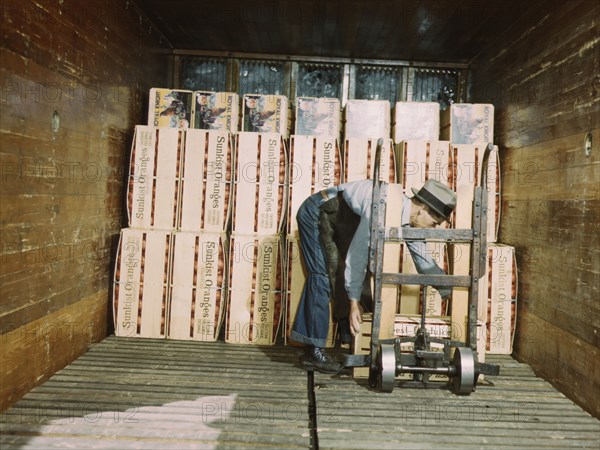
(464, 379)
(386, 364)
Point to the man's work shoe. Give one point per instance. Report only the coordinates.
(315, 358)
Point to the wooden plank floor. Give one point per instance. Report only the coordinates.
(153, 394)
(159, 394)
(514, 410)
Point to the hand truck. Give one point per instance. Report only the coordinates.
(458, 360)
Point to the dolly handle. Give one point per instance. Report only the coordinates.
(378, 151)
(484, 164)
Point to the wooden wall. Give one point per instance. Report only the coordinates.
(61, 190)
(543, 77)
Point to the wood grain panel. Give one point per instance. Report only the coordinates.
(557, 356)
(62, 190)
(542, 78)
(32, 353)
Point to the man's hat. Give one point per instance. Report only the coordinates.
(438, 197)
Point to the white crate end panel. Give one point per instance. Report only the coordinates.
(419, 161)
(140, 297)
(416, 121)
(315, 164)
(317, 116)
(153, 188)
(260, 197)
(207, 179)
(359, 160)
(197, 288)
(255, 289)
(468, 123)
(498, 298)
(467, 173)
(367, 119)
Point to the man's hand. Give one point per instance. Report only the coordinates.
(355, 317)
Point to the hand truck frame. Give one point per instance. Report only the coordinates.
(458, 360)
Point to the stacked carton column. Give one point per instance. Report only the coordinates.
(256, 258)
(143, 266)
(469, 127)
(171, 267)
(199, 268)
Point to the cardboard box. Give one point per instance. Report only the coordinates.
(467, 123)
(367, 119)
(498, 298)
(315, 164)
(197, 290)
(416, 121)
(153, 188)
(295, 280)
(418, 161)
(260, 186)
(206, 181)
(217, 111)
(140, 291)
(170, 108)
(255, 290)
(359, 160)
(318, 117)
(266, 114)
(407, 326)
(467, 173)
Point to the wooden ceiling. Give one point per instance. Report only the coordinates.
(443, 31)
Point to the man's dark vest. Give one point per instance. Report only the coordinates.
(337, 226)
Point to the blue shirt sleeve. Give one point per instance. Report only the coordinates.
(425, 263)
(357, 258)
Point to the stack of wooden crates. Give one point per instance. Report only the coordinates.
(212, 247)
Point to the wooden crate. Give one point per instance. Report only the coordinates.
(498, 298)
(260, 183)
(295, 278)
(266, 114)
(206, 181)
(170, 108)
(255, 289)
(416, 121)
(153, 188)
(407, 326)
(197, 289)
(359, 160)
(467, 123)
(140, 290)
(314, 165)
(419, 161)
(216, 111)
(318, 117)
(367, 119)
